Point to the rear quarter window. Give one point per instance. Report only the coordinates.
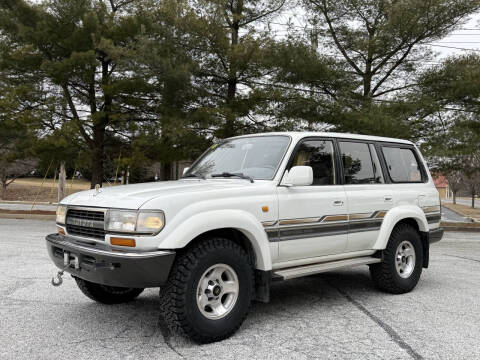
(402, 164)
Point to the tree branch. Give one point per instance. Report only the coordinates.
(393, 89)
(323, 7)
(394, 66)
(76, 118)
(255, 18)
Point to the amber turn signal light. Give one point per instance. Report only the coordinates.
(122, 242)
(60, 230)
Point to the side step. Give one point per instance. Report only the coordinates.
(299, 271)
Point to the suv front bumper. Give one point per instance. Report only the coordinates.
(102, 265)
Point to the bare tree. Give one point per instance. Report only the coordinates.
(471, 177)
(455, 183)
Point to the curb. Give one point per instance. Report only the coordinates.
(26, 202)
(27, 216)
(454, 226)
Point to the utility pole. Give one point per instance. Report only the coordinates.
(62, 182)
(314, 34)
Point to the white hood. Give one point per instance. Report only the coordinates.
(134, 196)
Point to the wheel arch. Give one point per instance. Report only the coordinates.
(236, 225)
(411, 215)
(233, 234)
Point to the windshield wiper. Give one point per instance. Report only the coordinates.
(193, 176)
(229, 174)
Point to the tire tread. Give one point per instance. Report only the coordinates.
(173, 295)
(381, 273)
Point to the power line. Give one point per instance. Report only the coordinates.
(460, 42)
(309, 27)
(453, 47)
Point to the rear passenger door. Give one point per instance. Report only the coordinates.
(312, 219)
(368, 197)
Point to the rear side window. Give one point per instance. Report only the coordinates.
(358, 166)
(402, 164)
(319, 155)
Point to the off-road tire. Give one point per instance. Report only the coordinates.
(385, 275)
(178, 298)
(107, 294)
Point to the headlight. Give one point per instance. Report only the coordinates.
(61, 213)
(127, 221)
(121, 221)
(150, 222)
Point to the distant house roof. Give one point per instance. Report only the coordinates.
(440, 181)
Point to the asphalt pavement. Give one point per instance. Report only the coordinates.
(337, 315)
(450, 215)
(464, 201)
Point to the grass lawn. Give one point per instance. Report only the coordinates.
(29, 189)
(49, 183)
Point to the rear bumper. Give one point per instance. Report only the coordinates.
(105, 266)
(435, 235)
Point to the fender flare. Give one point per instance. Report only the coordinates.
(395, 215)
(198, 224)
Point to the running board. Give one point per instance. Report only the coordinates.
(299, 271)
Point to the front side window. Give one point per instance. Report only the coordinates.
(257, 157)
(402, 164)
(319, 155)
(358, 166)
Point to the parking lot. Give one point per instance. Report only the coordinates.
(338, 315)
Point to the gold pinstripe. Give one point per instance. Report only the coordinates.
(327, 219)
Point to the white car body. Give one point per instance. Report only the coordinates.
(263, 210)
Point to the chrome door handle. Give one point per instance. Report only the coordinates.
(388, 198)
(338, 203)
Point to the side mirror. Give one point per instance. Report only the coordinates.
(298, 176)
(185, 170)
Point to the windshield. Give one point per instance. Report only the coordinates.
(257, 157)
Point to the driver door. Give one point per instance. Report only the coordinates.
(313, 219)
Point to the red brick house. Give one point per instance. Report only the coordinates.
(441, 184)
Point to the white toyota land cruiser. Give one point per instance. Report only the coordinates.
(250, 210)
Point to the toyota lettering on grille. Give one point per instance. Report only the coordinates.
(85, 223)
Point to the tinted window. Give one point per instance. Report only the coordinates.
(319, 155)
(357, 163)
(402, 164)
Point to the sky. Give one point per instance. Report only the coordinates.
(466, 37)
(461, 41)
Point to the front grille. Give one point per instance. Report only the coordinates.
(86, 214)
(86, 223)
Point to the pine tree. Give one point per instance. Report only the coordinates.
(86, 53)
